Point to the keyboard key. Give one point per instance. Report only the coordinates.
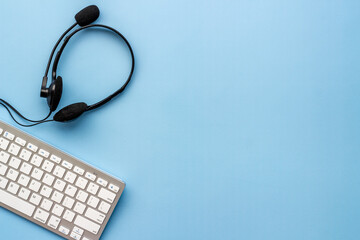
(81, 183)
(9, 136)
(47, 166)
(36, 160)
(70, 177)
(57, 197)
(55, 159)
(25, 154)
(54, 222)
(46, 191)
(93, 188)
(14, 149)
(90, 176)
(102, 182)
(93, 201)
(68, 202)
(4, 143)
(67, 165)
(44, 153)
(82, 196)
(13, 188)
(16, 203)
(87, 224)
(104, 207)
(37, 174)
(32, 147)
(114, 188)
(41, 215)
(34, 185)
(78, 170)
(4, 157)
(59, 171)
(12, 174)
(70, 190)
(64, 230)
(46, 204)
(14, 163)
(48, 179)
(26, 168)
(3, 169)
(24, 180)
(24, 193)
(95, 215)
(58, 210)
(20, 141)
(69, 215)
(78, 230)
(59, 185)
(3, 183)
(75, 236)
(79, 208)
(107, 195)
(35, 199)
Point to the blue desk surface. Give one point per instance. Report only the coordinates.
(242, 120)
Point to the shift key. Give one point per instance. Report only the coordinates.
(16, 203)
(87, 224)
(95, 215)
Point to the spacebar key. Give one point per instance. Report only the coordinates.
(16, 203)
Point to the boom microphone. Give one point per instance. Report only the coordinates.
(87, 15)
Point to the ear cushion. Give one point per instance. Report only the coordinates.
(70, 112)
(55, 91)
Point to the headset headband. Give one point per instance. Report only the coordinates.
(120, 90)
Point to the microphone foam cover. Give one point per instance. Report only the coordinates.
(87, 15)
(70, 112)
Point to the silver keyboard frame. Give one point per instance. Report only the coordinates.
(76, 162)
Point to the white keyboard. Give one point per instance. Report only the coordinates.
(53, 189)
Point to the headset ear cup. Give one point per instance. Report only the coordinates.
(55, 92)
(70, 112)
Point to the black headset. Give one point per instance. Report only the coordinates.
(53, 93)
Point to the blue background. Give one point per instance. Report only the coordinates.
(242, 120)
